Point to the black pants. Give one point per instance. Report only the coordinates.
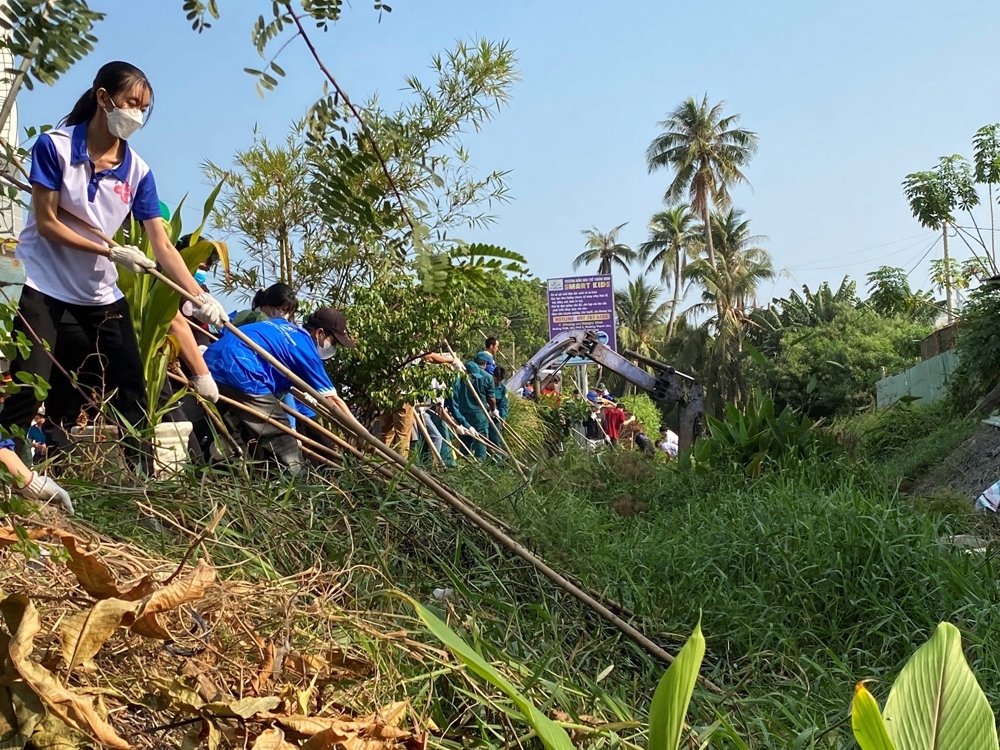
(263, 439)
(108, 346)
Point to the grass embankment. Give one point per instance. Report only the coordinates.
(807, 580)
(379, 540)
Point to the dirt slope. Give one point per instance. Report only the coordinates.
(968, 470)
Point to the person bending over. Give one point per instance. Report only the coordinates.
(245, 377)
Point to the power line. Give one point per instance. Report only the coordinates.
(922, 257)
(922, 235)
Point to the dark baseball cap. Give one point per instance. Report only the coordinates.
(333, 322)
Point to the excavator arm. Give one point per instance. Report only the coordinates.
(666, 385)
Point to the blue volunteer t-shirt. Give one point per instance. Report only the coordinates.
(234, 364)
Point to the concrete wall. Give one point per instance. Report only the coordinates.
(927, 381)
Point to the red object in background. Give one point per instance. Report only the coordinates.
(614, 418)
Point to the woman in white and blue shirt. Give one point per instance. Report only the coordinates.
(87, 168)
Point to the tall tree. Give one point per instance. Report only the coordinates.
(640, 316)
(729, 290)
(890, 295)
(707, 152)
(986, 158)
(604, 249)
(934, 195)
(673, 240)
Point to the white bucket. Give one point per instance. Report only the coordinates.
(170, 442)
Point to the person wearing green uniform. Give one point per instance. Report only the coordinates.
(474, 422)
(502, 408)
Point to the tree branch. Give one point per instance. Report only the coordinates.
(354, 110)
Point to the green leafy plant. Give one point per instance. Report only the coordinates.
(551, 734)
(646, 413)
(673, 695)
(755, 438)
(935, 703)
(394, 323)
(154, 305)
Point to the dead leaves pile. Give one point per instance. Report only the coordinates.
(44, 704)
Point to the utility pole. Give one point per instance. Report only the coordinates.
(949, 287)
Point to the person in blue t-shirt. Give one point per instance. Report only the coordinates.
(245, 377)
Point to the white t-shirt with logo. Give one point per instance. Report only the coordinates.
(59, 161)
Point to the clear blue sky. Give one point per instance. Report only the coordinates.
(846, 97)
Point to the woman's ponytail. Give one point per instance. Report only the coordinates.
(258, 299)
(83, 110)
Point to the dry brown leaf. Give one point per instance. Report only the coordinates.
(21, 711)
(74, 710)
(266, 668)
(329, 739)
(272, 739)
(206, 687)
(84, 633)
(338, 659)
(92, 573)
(306, 665)
(391, 715)
(307, 726)
(367, 742)
(9, 537)
(149, 626)
(244, 708)
(187, 589)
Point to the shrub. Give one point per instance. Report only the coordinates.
(646, 412)
(978, 348)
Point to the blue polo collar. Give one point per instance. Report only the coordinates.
(79, 155)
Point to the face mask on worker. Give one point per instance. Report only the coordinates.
(200, 276)
(326, 349)
(122, 123)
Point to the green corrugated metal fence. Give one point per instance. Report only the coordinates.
(927, 381)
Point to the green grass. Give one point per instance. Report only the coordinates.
(807, 580)
(907, 441)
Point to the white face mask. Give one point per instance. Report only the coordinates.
(122, 123)
(326, 349)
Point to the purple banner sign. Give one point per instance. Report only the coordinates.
(583, 303)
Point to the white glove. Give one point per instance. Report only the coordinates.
(204, 386)
(210, 311)
(462, 431)
(131, 258)
(457, 365)
(471, 432)
(496, 414)
(42, 489)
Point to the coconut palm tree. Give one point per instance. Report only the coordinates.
(729, 292)
(706, 152)
(605, 249)
(640, 316)
(673, 240)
